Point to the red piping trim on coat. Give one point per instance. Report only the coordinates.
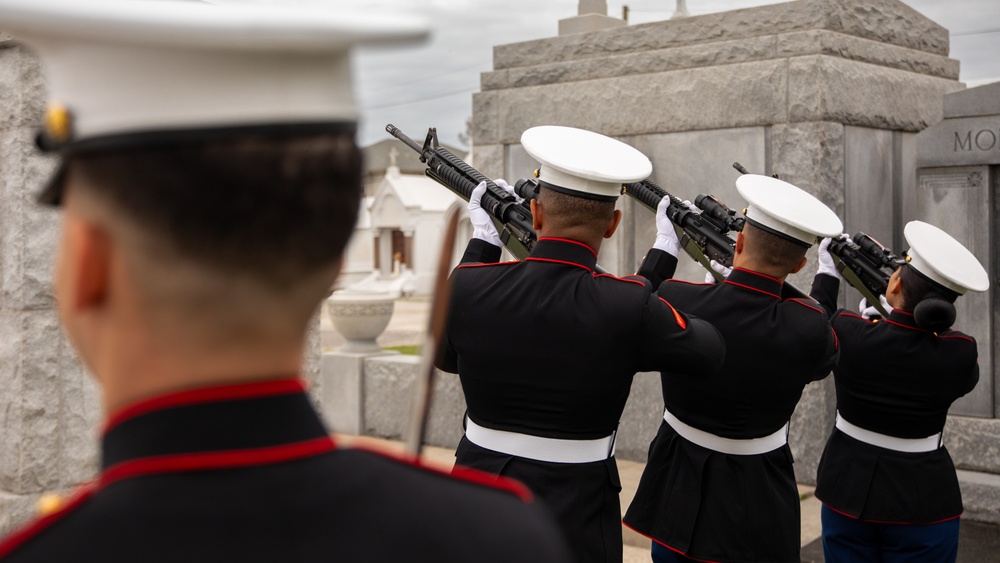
(751, 288)
(959, 336)
(21, 536)
(800, 301)
(677, 316)
(482, 264)
(626, 280)
(690, 282)
(460, 473)
(894, 323)
(215, 460)
(207, 395)
(554, 261)
(855, 316)
(670, 547)
(576, 242)
(846, 515)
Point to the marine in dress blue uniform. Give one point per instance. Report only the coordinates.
(888, 485)
(209, 182)
(248, 472)
(546, 348)
(718, 483)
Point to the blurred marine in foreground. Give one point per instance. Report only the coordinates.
(209, 181)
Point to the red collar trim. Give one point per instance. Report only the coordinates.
(576, 242)
(206, 395)
(757, 274)
(215, 460)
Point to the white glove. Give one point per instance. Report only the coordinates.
(826, 263)
(868, 312)
(666, 236)
(723, 271)
(500, 182)
(482, 225)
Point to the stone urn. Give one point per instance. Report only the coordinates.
(360, 317)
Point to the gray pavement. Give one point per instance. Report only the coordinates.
(977, 543)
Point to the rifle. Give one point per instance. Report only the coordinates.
(866, 265)
(513, 219)
(703, 234)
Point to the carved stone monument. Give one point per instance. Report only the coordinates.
(958, 175)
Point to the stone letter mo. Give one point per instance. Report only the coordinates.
(985, 139)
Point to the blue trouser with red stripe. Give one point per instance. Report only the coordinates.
(847, 540)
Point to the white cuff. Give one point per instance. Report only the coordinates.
(668, 244)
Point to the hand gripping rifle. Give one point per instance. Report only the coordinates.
(513, 219)
(704, 233)
(866, 265)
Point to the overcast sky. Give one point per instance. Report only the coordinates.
(432, 85)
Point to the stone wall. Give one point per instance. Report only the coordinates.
(49, 406)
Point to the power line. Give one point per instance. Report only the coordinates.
(418, 100)
(434, 77)
(976, 32)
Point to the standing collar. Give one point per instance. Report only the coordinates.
(234, 418)
(904, 319)
(565, 251)
(755, 281)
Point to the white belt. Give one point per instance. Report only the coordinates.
(751, 446)
(538, 448)
(907, 445)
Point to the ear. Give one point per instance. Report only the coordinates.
(802, 263)
(616, 219)
(739, 242)
(536, 214)
(895, 286)
(89, 267)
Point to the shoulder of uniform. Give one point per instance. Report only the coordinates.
(852, 316)
(954, 334)
(633, 279)
(51, 509)
(808, 304)
(458, 474)
(473, 265)
(686, 282)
